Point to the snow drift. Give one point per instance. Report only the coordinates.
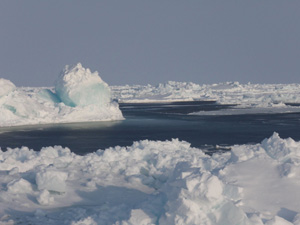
(153, 182)
(79, 96)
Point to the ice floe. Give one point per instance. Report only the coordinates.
(78, 96)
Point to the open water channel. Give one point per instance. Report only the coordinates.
(159, 121)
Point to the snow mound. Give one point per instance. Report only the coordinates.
(6, 87)
(77, 86)
(80, 96)
(153, 182)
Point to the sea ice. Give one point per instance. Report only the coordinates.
(77, 86)
(19, 186)
(45, 198)
(152, 182)
(79, 96)
(51, 180)
(243, 98)
(261, 96)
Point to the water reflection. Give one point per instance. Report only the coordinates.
(67, 126)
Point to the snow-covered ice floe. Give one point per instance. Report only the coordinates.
(261, 96)
(79, 95)
(153, 182)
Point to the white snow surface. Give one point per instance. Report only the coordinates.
(79, 96)
(153, 182)
(245, 95)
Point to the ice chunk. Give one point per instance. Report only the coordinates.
(138, 216)
(19, 186)
(45, 198)
(39, 213)
(52, 180)
(85, 221)
(77, 86)
(49, 95)
(281, 149)
(6, 86)
(79, 96)
(14, 171)
(278, 221)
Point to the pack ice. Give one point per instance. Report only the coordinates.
(153, 182)
(261, 95)
(79, 95)
(248, 98)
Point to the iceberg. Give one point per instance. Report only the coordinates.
(78, 96)
(77, 86)
(153, 182)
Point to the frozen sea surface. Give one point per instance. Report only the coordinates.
(150, 168)
(153, 182)
(165, 182)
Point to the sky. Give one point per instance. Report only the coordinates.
(151, 42)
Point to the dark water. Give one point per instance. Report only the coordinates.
(157, 122)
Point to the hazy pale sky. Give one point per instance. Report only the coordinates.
(142, 41)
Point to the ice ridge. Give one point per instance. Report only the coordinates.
(79, 96)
